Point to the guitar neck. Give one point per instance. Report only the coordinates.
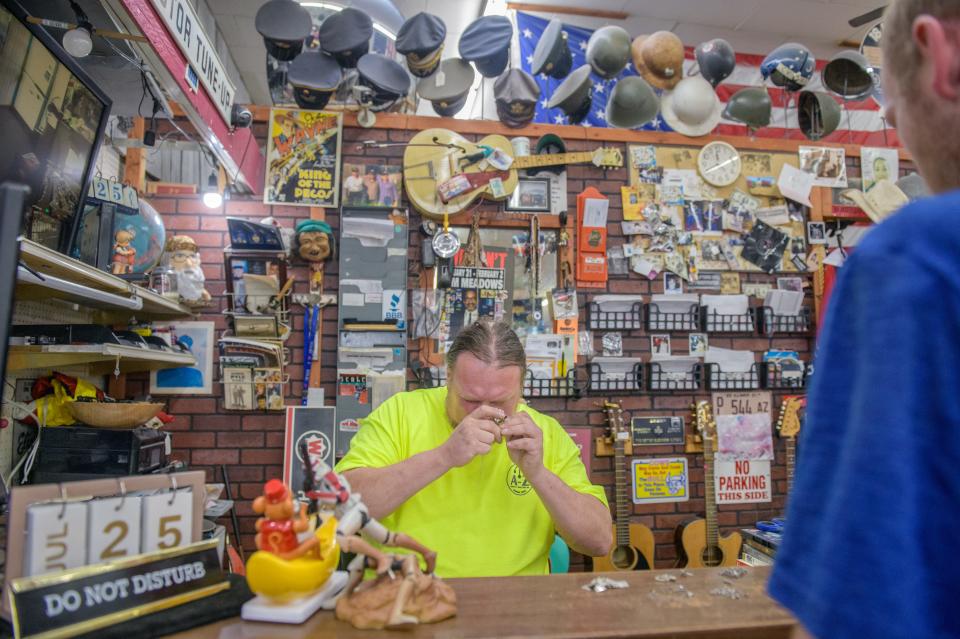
(791, 460)
(623, 507)
(551, 159)
(711, 496)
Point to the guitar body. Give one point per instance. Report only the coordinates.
(692, 546)
(427, 163)
(638, 555)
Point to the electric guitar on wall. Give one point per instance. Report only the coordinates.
(788, 426)
(699, 544)
(443, 172)
(634, 542)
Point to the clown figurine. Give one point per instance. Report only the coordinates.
(315, 244)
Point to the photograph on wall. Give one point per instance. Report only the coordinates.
(878, 164)
(197, 339)
(303, 158)
(371, 185)
(827, 165)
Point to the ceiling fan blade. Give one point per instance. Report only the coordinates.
(869, 16)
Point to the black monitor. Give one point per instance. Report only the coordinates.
(52, 118)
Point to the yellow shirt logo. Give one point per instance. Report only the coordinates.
(516, 482)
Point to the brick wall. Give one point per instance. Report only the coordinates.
(250, 444)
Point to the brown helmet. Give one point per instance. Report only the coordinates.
(658, 58)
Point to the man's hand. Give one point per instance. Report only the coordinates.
(475, 435)
(524, 443)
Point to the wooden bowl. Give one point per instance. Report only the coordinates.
(114, 415)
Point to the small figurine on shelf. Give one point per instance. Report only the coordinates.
(183, 262)
(292, 578)
(385, 602)
(315, 244)
(124, 253)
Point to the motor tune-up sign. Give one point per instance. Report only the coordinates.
(742, 482)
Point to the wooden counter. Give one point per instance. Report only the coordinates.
(555, 606)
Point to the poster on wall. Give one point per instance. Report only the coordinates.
(313, 425)
(878, 164)
(477, 292)
(303, 158)
(742, 482)
(743, 425)
(196, 338)
(657, 481)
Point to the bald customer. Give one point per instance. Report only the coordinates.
(873, 519)
(473, 472)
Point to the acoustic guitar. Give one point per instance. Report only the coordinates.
(698, 541)
(788, 426)
(634, 542)
(443, 172)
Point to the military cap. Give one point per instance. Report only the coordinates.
(750, 106)
(549, 144)
(314, 76)
(448, 88)
(608, 51)
(552, 55)
(574, 95)
(486, 43)
(818, 114)
(848, 75)
(387, 78)
(632, 103)
(283, 25)
(516, 93)
(346, 36)
(421, 40)
(658, 58)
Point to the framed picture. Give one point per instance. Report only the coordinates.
(660, 344)
(816, 233)
(198, 339)
(371, 185)
(531, 194)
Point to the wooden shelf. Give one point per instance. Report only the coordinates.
(73, 281)
(101, 358)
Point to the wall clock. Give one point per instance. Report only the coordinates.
(719, 163)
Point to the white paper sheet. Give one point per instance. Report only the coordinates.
(616, 368)
(608, 303)
(729, 360)
(726, 304)
(544, 346)
(795, 184)
(783, 302)
(595, 213)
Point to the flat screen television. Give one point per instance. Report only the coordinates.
(52, 118)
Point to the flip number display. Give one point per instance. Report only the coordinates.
(101, 189)
(116, 192)
(56, 537)
(167, 520)
(114, 528)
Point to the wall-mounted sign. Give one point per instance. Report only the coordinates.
(653, 431)
(184, 25)
(662, 480)
(742, 482)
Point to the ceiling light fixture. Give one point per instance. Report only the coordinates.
(212, 198)
(79, 41)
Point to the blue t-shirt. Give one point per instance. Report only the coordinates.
(871, 545)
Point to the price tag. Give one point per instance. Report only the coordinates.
(56, 537)
(114, 528)
(167, 520)
(116, 192)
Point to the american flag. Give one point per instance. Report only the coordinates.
(861, 123)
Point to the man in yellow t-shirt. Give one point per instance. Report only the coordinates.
(472, 472)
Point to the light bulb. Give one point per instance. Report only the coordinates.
(78, 42)
(212, 199)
